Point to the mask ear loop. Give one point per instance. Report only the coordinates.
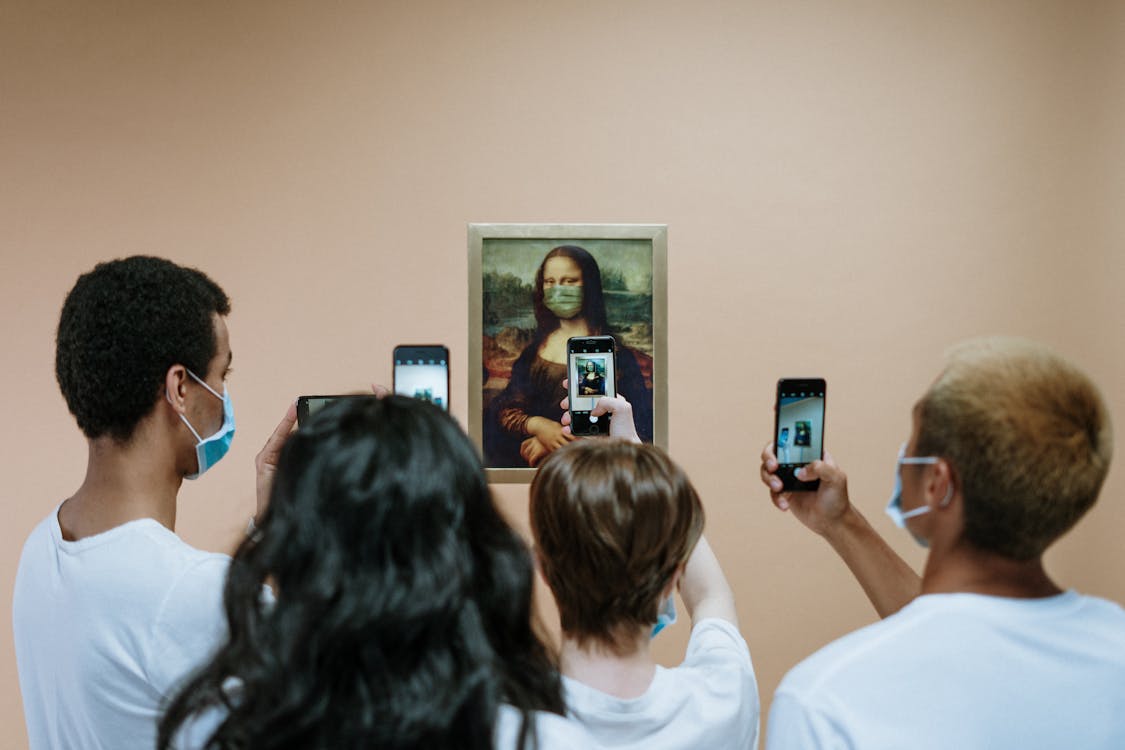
(948, 496)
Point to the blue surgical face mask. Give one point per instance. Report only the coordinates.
(563, 301)
(208, 451)
(894, 507)
(666, 616)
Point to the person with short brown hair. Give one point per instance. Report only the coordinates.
(618, 529)
(1009, 448)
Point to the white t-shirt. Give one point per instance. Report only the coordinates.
(553, 732)
(106, 626)
(709, 701)
(964, 671)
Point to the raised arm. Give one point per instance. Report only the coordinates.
(885, 577)
(265, 463)
(704, 588)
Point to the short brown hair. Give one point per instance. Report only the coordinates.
(612, 521)
(1028, 435)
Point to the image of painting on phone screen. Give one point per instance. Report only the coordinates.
(800, 427)
(592, 374)
(424, 377)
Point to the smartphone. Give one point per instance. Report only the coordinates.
(591, 368)
(309, 405)
(798, 428)
(422, 371)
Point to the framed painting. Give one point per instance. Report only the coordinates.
(531, 287)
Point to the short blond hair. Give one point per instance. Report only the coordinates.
(1028, 435)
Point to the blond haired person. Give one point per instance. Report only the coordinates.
(1009, 448)
(617, 528)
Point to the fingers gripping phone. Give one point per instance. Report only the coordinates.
(591, 369)
(798, 428)
(422, 371)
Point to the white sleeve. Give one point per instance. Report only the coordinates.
(720, 652)
(794, 726)
(190, 624)
(552, 732)
(716, 641)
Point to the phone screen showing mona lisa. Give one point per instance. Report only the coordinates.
(590, 369)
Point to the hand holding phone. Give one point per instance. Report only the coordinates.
(798, 428)
(620, 426)
(591, 367)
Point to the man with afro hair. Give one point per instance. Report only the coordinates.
(111, 608)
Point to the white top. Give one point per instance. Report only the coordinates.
(709, 701)
(964, 671)
(553, 732)
(106, 626)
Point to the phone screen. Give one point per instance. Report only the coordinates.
(422, 372)
(800, 423)
(307, 406)
(591, 377)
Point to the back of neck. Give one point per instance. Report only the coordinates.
(123, 483)
(621, 672)
(965, 569)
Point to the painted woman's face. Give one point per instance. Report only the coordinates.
(561, 271)
(562, 287)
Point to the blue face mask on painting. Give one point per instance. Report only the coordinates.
(208, 451)
(666, 616)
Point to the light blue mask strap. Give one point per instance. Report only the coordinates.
(203, 383)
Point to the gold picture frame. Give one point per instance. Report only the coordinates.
(510, 378)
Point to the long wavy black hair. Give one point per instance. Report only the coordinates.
(403, 599)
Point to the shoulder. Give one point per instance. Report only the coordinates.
(529, 353)
(631, 359)
(552, 732)
(194, 580)
(843, 658)
(1105, 609)
(172, 565)
(710, 700)
(40, 541)
(809, 704)
(189, 622)
(719, 641)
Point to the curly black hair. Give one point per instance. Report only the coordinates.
(122, 326)
(403, 610)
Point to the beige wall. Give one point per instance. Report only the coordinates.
(849, 189)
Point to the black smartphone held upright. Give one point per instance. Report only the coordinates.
(422, 371)
(591, 368)
(309, 405)
(798, 428)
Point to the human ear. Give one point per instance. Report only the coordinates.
(942, 486)
(175, 381)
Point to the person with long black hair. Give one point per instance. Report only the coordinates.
(524, 421)
(402, 608)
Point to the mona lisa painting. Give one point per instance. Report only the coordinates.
(533, 286)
